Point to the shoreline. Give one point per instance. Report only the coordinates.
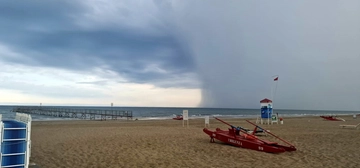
(190, 118)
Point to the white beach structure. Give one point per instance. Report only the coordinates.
(15, 141)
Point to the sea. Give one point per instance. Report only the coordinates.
(163, 113)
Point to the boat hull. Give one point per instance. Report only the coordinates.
(247, 142)
(178, 118)
(330, 118)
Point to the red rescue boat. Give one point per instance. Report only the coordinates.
(332, 118)
(178, 117)
(237, 136)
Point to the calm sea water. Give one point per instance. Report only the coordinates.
(151, 113)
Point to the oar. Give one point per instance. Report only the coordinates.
(271, 133)
(225, 123)
(241, 130)
(340, 119)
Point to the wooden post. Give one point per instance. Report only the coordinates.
(207, 121)
(186, 117)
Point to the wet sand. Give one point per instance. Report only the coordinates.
(166, 143)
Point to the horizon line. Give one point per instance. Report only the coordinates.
(77, 105)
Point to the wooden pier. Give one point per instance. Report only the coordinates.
(79, 113)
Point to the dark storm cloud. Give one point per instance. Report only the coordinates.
(239, 45)
(47, 34)
(235, 47)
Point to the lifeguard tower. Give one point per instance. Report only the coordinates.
(266, 111)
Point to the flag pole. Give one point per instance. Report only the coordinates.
(275, 79)
(272, 85)
(275, 88)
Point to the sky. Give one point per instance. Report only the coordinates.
(181, 53)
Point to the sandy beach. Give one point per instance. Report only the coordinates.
(166, 143)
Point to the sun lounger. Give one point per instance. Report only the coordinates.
(350, 126)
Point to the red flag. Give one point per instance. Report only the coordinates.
(276, 79)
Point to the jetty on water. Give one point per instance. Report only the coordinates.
(92, 114)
